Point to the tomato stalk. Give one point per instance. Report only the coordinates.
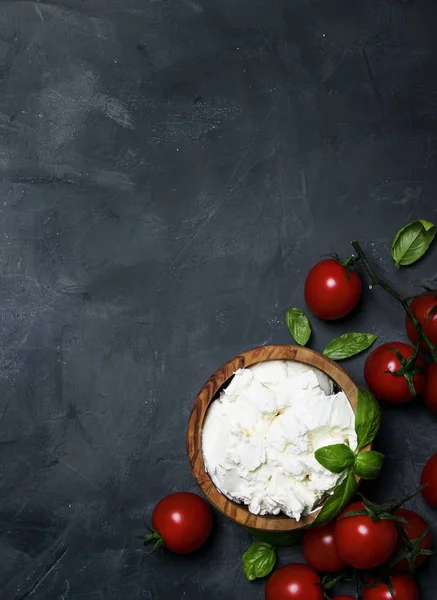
(376, 280)
(380, 512)
(329, 581)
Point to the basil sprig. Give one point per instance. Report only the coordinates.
(348, 345)
(338, 458)
(412, 242)
(259, 560)
(298, 325)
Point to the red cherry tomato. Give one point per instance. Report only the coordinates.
(421, 307)
(430, 393)
(320, 550)
(362, 542)
(429, 476)
(404, 588)
(330, 291)
(184, 520)
(415, 528)
(380, 365)
(294, 582)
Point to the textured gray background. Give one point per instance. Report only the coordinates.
(170, 170)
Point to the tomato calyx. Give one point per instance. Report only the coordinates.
(376, 512)
(408, 368)
(411, 549)
(350, 263)
(385, 511)
(154, 538)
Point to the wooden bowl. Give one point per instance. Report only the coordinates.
(240, 512)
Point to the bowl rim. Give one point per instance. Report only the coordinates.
(240, 512)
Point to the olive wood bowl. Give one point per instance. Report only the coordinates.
(239, 512)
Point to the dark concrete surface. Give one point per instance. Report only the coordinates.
(170, 169)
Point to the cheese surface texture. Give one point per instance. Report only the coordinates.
(260, 435)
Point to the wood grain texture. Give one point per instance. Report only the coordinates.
(239, 512)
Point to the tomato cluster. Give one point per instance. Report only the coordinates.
(363, 541)
(333, 290)
(398, 542)
(392, 373)
(365, 536)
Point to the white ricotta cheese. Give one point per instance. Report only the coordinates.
(260, 435)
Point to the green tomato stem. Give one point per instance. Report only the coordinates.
(375, 280)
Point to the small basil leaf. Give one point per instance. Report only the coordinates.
(367, 418)
(335, 458)
(259, 560)
(276, 539)
(298, 325)
(348, 345)
(368, 464)
(338, 500)
(412, 241)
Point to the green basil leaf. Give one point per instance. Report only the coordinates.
(276, 539)
(348, 345)
(368, 464)
(367, 418)
(298, 325)
(412, 241)
(259, 560)
(335, 458)
(338, 500)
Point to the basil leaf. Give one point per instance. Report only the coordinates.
(298, 325)
(367, 418)
(335, 503)
(276, 539)
(368, 464)
(335, 458)
(348, 345)
(259, 560)
(412, 241)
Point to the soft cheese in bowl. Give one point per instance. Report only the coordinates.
(259, 437)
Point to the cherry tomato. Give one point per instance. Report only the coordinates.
(430, 393)
(320, 550)
(415, 528)
(380, 365)
(362, 542)
(421, 307)
(294, 582)
(404, 588)
(184, 520)
(429, 476)
(330, 291)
